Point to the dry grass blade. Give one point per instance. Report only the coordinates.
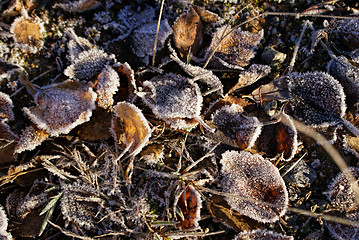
(68, 233)
(158, 29)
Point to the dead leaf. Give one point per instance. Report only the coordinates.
(126, 91)
(187, 33)
(275, 90)
(129, 127)
(61, 107)
(30, 138)
(106, 86)
(206, 16)
(153, 154)
(78, 6)
(190, 203)
(221, 211)
(286, 138)
(98, 128)
(258, 234)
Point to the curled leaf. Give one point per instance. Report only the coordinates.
(61, 107)
(262, 234)
(106, 86)
(236, 49)
(187, 32)
(190, 204)
(317, 98)
(28, 33)
(130, 127)
(238, 127)
(249, 176)
(286, 138)
(126, 92)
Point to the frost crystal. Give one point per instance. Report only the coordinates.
(79, 6)
(341, 194)
(237, 49)
(107, 85)
(234, 124)
(144, 38)
(61, 107)
(130, 127)
(348, 75)
(80, 203)
(30, 138)
(317, 98)
(172, 96)
(88, 65)
(4, 235)
(262, 234)
(249, 176)
(28, 33)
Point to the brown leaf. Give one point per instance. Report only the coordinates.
(98, 126)
(221, 211)
(153, 154)
(30, 138)
(187, 32)
(206, 15)
(61, 107)
(190, 204)
(286, 139)
(127, 82)
(106, 86)
(79, 6)
(275, 90)
(28, 33)
(129, 127)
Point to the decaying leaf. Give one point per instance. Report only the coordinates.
(341, 193)
(262, 234)
(275, 90)
(106, 86)
(187, 32)
(61, 107)
(130, 127)
(30, 138)
(79, 6)
(126, 92)
(340, 231)
(28, 33)
(348, 75)
(173, 97)
(190, 203)
(316, 98)
(222, 212)
(199, 73)
(236, 49)
(249, 176)
(243, 130)
(4, 235)
(250, 76)
(286, 138)
(144, 38)
(88, 65)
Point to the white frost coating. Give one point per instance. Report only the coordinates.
(107, 85)
(250, 176)
(4, 235)
(172, 96)
(74, 49)
(6, 107)
(144, 37)
(237, 49)
(318, 99)
(202, 74)
(344, 232)
(341, 194)
(61, 107)
(30, 138)
(88, 65)
(234, 124)
(262, 234)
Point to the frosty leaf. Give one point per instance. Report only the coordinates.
(126, 92)
(250, 76)
(341, 231)
(88, 65)
(61, 107)
(341, 194)
(106, 86)
(187, 33)
(235, 125)
(79, 6)
(28, 33)
(348, 32)
(80, 203)
(153, 154)
(237, 49)
(199, 73)
(78, 46)
(4, 235)
(6, 134)
(250, 176)
(262, 234)
(144, 37)
(130, 127)
(30, 138)
(190, 204)
(351, 144)
(172, 96)
(317, 98)
(275, 90)
(6, 107)
(348, 75)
